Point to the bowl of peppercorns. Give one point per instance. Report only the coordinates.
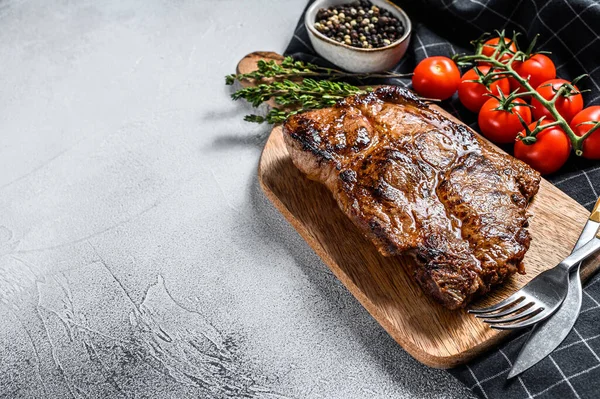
(358, 36)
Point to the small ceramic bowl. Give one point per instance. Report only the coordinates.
(354, 59)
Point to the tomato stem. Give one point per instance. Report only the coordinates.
(521, 94)
(547, 125)
(506, 69)
(592, 130)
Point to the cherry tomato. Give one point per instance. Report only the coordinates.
(473, 95)
(567, 107)
(502, 126)
(591, 145)
(490, 46)
(538, 68)
(436, 77)
(549, 152)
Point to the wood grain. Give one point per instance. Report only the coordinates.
(595, 216)
(432, 334)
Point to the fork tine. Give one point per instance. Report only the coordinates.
(517, 296)
(529, 312)
(520, 306)
(527, 323)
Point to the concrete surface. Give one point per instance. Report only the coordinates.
(138, 257)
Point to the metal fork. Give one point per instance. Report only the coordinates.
(539, 298)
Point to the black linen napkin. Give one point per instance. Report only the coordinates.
(571, 31)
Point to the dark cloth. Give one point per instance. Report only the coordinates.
(571, 31)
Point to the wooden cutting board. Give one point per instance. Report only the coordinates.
(432, 334)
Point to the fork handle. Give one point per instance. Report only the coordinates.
(582, 253)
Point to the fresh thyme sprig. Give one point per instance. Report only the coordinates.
(273, 116)
(294, 97)
(296, 86)
(308, 93)
(290, 68)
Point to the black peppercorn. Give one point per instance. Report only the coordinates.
(359, 24)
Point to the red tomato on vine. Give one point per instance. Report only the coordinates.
(502, 126)
(548, 153)
(489, 47)
(567, 106)
(591, 145)
(473, 95)
(538, 68)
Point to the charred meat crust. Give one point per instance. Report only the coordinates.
(415, 182)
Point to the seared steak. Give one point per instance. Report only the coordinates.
(415, 182)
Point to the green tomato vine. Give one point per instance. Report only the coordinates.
(503, 69)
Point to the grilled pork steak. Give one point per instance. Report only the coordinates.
(415, 182)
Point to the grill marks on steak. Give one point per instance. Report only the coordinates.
(415, 182)
(491, 209)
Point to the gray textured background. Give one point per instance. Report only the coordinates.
(138, 257)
